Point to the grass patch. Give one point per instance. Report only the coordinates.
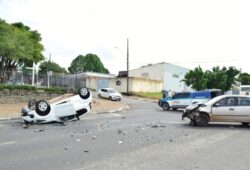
(155, 95)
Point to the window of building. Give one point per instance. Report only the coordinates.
(175, 75)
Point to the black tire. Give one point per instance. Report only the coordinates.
(110, 98)
(245, 123)
(201, 120)
(42, 108)
(99, 95)
(165, 106)
(84, 92)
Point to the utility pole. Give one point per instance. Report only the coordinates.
(49, 72)
(128, 66)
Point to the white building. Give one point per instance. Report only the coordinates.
(171, 75)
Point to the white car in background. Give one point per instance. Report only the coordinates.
(110, 94)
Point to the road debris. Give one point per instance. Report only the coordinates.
(121, 132)
(120, 142)
(66, 148)
(85, 131)
(93, 137)
(86, 151)
(78, 140)
(26, 126)
(39, 130)
(156, 125)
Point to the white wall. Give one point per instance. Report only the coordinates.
(173, 75)
(135, 84)
(170, 74)
(153, 72)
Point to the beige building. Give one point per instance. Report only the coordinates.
(171, 75)
(96, 81)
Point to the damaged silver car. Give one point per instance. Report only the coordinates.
(225, 108)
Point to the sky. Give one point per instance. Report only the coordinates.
(187, 33)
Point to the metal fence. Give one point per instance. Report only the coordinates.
(68, 81)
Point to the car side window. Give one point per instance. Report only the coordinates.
(244, 101)
(103, 90)
(230, 101)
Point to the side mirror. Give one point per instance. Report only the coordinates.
(216, 104)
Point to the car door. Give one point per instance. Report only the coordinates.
(226, 110)
(106, 93)
(103, 93)
(181, 100)
(243, 109)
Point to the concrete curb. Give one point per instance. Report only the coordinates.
(144, 99)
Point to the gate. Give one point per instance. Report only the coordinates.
(103, 83)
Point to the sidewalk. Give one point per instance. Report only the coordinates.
(99, 106)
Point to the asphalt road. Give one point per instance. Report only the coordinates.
(144, 137)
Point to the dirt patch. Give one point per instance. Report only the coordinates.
(98, 105)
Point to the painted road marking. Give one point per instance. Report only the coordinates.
(7, 143)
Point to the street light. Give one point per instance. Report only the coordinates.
(127, 63)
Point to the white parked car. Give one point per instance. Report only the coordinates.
(109, 93)
(66, 109)
(225, 108)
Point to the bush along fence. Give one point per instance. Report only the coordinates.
(13, 94)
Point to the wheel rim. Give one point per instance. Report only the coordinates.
(165, 106)
(84, 91)
(42, 106)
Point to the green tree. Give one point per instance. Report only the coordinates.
(18, 46)
(51, 66)
(217, 78)
(244, 78)
(196, 79)
(89, 62)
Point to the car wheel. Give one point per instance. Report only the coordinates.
(245, 123)
(99, 95)
(84, 93)
(165, 106)
(42, 108)
(201, 120)
(110, 98)
(193, 123)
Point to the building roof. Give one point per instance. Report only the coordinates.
(94, 74)
(162, 63)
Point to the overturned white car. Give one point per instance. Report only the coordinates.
(64, 110)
